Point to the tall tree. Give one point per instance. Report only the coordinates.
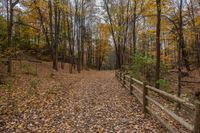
(118, 14)
(10, 14)
(158, 26)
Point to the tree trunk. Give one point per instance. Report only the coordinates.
(64, 43)
(10, 13)
(44, 30)
(56, 36)
(181, 37)
(180, 48)
(10, 42)
(133, 50)
(157, 76)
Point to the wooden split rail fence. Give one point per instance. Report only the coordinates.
(132, 84)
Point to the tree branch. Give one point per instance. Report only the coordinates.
(15, 3)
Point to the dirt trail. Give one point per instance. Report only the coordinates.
(89, 102)
(98, 103)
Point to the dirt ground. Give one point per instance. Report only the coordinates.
(59, 102)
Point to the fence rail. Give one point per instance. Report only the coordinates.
(134, 87)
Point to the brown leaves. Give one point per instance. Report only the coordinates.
(87, 102)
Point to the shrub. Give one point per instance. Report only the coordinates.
(143, 67)
(164, 84)
(53, 73)
(140, 64)
(33, 86)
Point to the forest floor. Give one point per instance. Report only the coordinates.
(92, 101)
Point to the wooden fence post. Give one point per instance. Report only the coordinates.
(120, 75)
(197, 117)
(131, 87)
(124, 79)
(145, 101)
(36, 69)
(117, 74)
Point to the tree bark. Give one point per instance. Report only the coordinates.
(180, 48)
(10, 9)
(181, 37)
(157, 76)
(116, 44)
(56, 35)
(133, 50)
(44, 29)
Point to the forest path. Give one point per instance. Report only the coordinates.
(90, 102)
(98, 103)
